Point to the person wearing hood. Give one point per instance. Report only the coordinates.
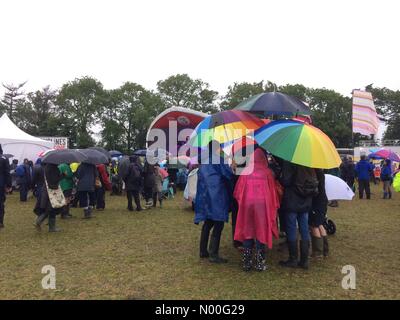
(386, 178)
(24, 180)
(213, 201)
(52, 176)
(256, 194)
(5, 184)
(133, 183)
(86, 176)
(67, 185)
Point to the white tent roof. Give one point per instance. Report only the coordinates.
(19, 143)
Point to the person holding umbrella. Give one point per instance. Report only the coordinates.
(38, 183)
(133, 183)
(103, 183)
(213, 201)
(386, 178)
(67, 185)
(86, 179)
(5, 184)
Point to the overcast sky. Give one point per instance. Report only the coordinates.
(335, 44)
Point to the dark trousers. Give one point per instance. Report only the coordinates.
(157, 196)
(23, 192)
(282, 220)
(148, 193)
(235, 209)
(86, 199)
(363, 185)
(217, 227)
(100, 198)
(133, 194)
(249, 244)
(350, 182)
(2, 200)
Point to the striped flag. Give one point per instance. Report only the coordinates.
(365, 118)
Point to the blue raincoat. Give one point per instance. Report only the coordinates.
(214, 192)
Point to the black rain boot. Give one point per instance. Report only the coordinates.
(64, 213)
(317, 245)
(325, 246)
(1, 220)
(160, 203)
(204, 243)
(87, 214)
(293, 256)
(304, 252)
(246, 259)
(260, 260)
(52, 225)
(214, 249)
(390, 195)
(39, 220)
(385, 195)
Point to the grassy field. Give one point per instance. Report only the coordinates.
(154, 255)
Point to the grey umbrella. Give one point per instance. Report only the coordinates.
(94, 156)
(8, 156)
(64, 156)
(102, 150)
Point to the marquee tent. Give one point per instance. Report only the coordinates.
(19, 143)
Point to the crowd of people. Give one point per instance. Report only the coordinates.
(270, 197)
(84, 185)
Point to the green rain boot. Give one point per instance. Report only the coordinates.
(52, 225)
(317, 245)
(293, 256)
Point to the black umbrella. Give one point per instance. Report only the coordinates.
(140, 152)
(64, 156)
(274, 103)
(8, 156)
(94, 156)
(102, 150)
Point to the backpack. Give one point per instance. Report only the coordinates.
(306, 182)
(20, 171)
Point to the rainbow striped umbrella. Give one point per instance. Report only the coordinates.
(385, 154)
(223, 127)
(299, 143)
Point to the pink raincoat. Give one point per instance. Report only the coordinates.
(258, 201)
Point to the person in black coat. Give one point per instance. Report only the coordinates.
(296, 207)
(148, 184)
(37, 184)
(133, 183)
(53, 177)
(86, 176)
(5, 184)
(319, 237)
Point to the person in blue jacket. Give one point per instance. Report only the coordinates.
(386, 178)
(363, 172)
(213, 201)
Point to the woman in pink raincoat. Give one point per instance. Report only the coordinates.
(257, 196)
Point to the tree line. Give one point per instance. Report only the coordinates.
(125, 113)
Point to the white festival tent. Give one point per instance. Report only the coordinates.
(20, 144)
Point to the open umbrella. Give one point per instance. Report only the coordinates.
(385, 154)
(223, 127)
(64, 156)
(299, 143)
(8, 156)
(101, 150)
(337, 189)
(274, 103)
(94, 156)
(115, 153)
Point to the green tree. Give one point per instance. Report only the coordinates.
(332, 114)
(387, 103)
(239, 92)
(12, 101)
(182, 91)
(38, 113)
(79, 104)
(127, 116)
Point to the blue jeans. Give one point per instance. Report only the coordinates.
(249, 244)
(291, 226)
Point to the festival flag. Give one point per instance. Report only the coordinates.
(365, 118)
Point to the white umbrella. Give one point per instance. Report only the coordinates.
(191, 186)
(337, 189)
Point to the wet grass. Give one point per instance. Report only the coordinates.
(154, 255)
